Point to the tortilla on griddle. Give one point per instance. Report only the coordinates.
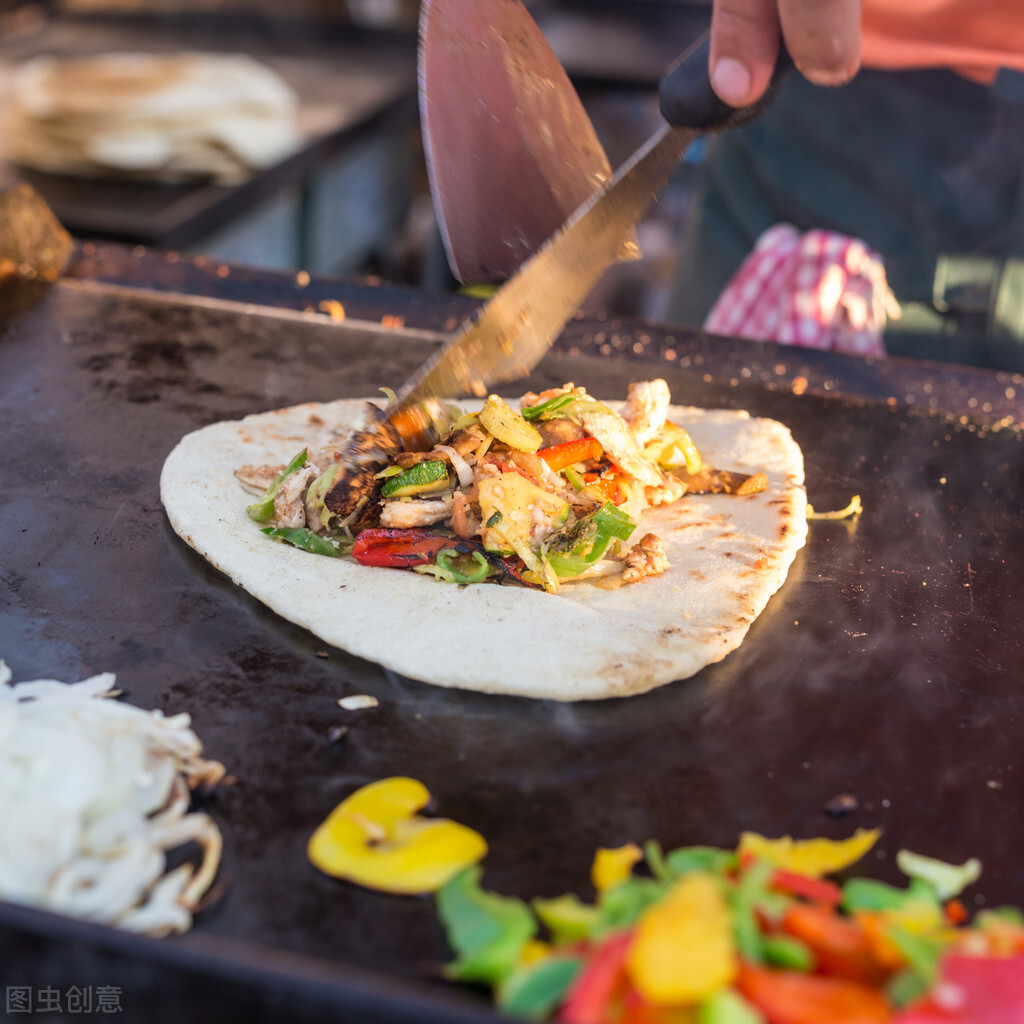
(728, 554)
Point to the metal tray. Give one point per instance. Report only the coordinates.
(887, 667)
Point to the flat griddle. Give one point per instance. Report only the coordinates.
(886, 669)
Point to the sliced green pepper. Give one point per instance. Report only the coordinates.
(305, 539)
(575, 550)
(487, 931)
(534, 990)
(448, 556)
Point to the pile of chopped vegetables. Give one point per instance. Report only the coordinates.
(698, 935)
(755, 935)
(537, 496)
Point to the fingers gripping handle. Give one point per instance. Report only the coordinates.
(688, 100)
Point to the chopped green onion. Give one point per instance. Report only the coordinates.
(574, 478)
(316, 498)
(544, 410)
(614, 522)
(567, 566)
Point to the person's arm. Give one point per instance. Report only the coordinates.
(822, 36)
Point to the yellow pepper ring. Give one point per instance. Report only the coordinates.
(376, 839)
(813, 857)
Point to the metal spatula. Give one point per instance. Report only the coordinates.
(511, 153)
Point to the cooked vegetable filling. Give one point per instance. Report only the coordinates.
(538, 496)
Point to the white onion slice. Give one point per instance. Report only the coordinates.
(462, 468)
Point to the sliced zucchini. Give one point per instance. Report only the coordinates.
(423, 478)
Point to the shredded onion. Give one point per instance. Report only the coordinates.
(93, 794)
(461, 466)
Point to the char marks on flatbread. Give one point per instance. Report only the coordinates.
(728, 554)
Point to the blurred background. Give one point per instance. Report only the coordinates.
(317, 163)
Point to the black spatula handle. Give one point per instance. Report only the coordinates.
(688, 101)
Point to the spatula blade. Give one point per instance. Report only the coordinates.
(511, 152)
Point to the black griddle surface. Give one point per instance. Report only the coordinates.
(888, 666)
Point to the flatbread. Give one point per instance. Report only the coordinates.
(728, 555)
(163, 117)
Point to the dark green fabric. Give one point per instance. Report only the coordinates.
(920, 165)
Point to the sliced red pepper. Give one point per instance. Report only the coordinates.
(973, 990)
(820, 890)
(605, 487)
(956, 913)
(840, 945)
(558, 456)
(399, 549)
(599, 989)
(786, 997)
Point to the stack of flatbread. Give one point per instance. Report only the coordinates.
(178, 117)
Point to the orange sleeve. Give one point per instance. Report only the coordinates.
(973, 37)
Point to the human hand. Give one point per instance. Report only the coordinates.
(822, 36)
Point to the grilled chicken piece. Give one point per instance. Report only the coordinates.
(537, 470)
(558, 431)
(669, 490)
(646, 408)
(290, 500)
(618, 441)
(257, 478)
(465, 516)
(360, 457)
(720, 481)
(466, 440)
(645, 558)
(403, 515)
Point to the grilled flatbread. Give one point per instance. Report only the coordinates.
(728, 554)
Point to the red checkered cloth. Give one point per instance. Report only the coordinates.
(818, 290)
